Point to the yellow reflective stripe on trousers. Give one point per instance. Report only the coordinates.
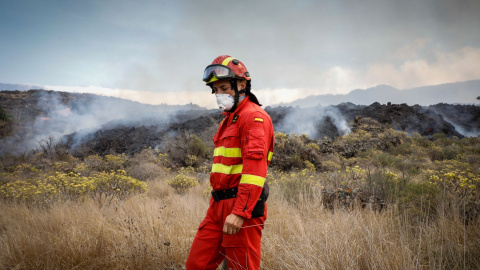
(227, 152)
(220, 168)
(227, 60)
(252, 179)
(270, 155)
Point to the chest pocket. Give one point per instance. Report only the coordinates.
(231, 137)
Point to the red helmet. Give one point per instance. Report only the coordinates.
(225, 67)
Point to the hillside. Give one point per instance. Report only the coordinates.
(97, 124)
(462, 92)
(38, 114)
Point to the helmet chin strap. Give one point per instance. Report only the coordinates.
(233, 83)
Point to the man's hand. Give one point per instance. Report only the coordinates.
(233, 223)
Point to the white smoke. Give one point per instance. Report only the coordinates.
(311, 121)
(85, 114)
(475, 132)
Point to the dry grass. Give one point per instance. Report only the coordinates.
(155, 230)
(307, 236)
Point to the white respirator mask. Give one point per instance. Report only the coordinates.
(225, 101)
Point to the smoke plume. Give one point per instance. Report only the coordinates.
(314, 122)
(57, 114)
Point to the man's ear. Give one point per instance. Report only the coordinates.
(243, 84)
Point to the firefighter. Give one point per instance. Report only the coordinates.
(232, 227)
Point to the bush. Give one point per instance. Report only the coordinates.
(182, 182)
(291, 152)
(383, 159)
(419, 201)
(461, 188)
(23, 171)
(115, 162)
(4, 116)
(95, 162)
(111, 186)
(185, 149)
(44, 191)
(410, 165)
(146, 165)
(294, 187)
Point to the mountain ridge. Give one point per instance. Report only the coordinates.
(452, 93)
(465, 92)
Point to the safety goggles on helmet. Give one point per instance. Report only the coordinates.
(219, 71)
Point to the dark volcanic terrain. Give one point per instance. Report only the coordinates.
(89, 124)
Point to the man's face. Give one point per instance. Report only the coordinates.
(224, 87)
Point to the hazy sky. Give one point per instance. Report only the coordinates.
(156, 51)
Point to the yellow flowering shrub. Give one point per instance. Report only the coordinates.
(313, 146)
(44, 190)
(163, 159)
(190, 160)
(356, 137)
(309, 166)
(115, 162)
(331, 165)
(460, 183)
(182, 182)
(281, 136)
(355, 172)
(23, 170)
(280, 140)
(82, 169)
(108, 186)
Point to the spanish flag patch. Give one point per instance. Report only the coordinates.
(257, 119)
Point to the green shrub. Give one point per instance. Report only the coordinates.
(410, 165)
(185, 149)
(4, 116)
(291, 152)
(197, 146)
(419, 201)
(383, 159)
(294, 187)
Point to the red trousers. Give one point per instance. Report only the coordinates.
(210, 245)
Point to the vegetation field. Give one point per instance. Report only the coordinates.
(374, 199)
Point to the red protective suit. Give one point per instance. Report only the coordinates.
(243, 149)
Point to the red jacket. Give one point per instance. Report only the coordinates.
(243, 149)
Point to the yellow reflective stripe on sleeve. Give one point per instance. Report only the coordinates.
(227, 60)
(258, 119)
(227, 152)
(220, 168)
(270, 155)
(252, 179)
